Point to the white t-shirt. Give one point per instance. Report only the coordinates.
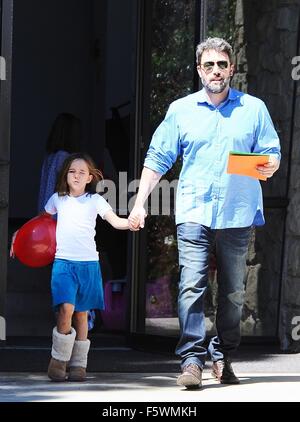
(76, 221)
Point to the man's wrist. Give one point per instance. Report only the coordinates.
(139, 204)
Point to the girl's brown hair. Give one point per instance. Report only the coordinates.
(62, 187)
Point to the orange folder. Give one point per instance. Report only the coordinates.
(245, 164)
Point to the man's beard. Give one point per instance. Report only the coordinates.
(216, 89)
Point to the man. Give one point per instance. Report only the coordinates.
(213, 208)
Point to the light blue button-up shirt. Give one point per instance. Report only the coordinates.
(203, 135)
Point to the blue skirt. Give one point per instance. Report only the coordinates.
(78, 283)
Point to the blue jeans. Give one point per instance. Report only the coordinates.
(195, 243)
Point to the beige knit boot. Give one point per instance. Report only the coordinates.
(62, 346)
(78, 361)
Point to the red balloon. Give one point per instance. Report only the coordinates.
(35, 242)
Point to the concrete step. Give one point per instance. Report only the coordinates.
(108, 353)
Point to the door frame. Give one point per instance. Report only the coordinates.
(5, 117)
(142, 131)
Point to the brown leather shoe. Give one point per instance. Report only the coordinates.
(77, 373)
(57, 370)
(191, 376)
(222, 370)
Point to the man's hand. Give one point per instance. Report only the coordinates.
(134, 224)
(136, 218)
(269, 169)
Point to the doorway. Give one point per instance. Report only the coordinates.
(67, 57)
(169, 36)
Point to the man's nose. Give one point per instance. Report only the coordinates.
(216, 68)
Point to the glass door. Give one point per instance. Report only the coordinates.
(172, 30)
(169, 33)
(175, 33)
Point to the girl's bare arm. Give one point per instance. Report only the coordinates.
(117, 222)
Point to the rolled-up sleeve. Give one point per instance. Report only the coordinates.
(267, 140)
(165, 144)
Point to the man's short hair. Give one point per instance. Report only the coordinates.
(214, 43)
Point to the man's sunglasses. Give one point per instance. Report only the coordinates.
(208, 66)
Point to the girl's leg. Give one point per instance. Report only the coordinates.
(80, 323)
(62, 343)
(64, 318)
(78, 361)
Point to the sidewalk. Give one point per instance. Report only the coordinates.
(146, 387)
(132, 376)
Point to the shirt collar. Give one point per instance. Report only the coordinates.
(202, 96)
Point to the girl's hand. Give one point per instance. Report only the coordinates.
(134, 224)
(137, 217)
(12, 252)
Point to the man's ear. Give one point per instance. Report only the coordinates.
(232, 70)
(199, 70)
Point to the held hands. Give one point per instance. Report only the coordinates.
(269, 169)
(133, 224)
(136, 218)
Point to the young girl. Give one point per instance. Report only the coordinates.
(76, 282)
